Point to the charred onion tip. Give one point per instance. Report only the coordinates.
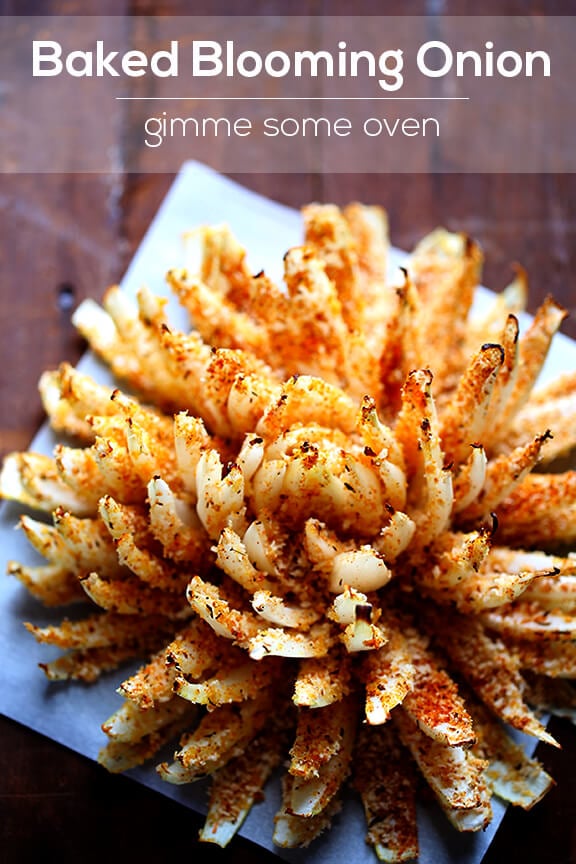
(491, 346)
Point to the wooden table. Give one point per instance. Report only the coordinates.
(67, 237)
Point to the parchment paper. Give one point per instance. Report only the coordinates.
(71, 713)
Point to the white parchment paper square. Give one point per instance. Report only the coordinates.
(72, 713)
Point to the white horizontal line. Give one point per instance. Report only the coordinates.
(292, 98)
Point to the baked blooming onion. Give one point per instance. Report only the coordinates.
(315, 519)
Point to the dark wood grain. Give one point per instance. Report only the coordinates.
(71, 236)
(58, 806)
(60, 243)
